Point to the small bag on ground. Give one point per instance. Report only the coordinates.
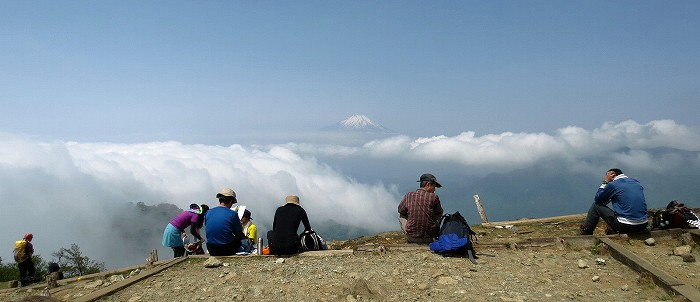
(676, 215)
(311, 241)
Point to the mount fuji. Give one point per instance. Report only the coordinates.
(358, 123)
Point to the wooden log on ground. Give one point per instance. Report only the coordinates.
(94, 296)
(536, 220)
(643, 266)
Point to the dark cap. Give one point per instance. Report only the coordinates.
(430, 178)
(247, 213)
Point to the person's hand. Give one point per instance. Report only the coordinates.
(609, 176)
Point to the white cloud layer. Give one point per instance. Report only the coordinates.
(510, 150)
(64, 179)
(48, 185)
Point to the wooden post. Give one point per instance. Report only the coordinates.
(480, 208)
(152, 259)
(52, 280)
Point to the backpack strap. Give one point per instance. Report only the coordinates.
(472, 234)
(470, 254)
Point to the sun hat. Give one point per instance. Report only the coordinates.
(194, 208)
(227, 192)
(292, 199)
(204, 208)
(247, 213)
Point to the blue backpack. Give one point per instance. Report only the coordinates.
(455, 239)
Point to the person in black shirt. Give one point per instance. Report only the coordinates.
(283, 238)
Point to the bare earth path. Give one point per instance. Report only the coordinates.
(515, 264)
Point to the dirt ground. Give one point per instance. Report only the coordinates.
(661, 256)
(384, 268)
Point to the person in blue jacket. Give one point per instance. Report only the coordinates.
(223, 227)
(627, 212)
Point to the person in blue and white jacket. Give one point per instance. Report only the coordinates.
(629, 209)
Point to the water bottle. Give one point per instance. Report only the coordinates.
(260, 246)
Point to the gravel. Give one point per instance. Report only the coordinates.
(508, 275)
(385, 273)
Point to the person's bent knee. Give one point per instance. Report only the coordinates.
(419, 240)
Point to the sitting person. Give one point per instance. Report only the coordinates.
(250, 231)
(223, 227)
(420, 211)
(629, 209)
(283, 238)
(175, 230)
(54, 268)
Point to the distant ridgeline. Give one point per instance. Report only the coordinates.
(331, 230)
(139, 222)
(554, 191)
(141, 226)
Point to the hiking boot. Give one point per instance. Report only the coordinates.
(585, 232)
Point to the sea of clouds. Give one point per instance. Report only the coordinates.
(63, 191)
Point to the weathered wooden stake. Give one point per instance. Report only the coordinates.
(152, 259)
(52, 280)
(480, 208)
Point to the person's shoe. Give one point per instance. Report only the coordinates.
(585, 232)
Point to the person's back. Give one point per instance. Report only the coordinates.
(223, 227)
(185, 219)
(54, 268)
(627, 198)
(175, 230)
(629, 209)
(219, 225)
(422, 210)
(283, 239)
(27, 271)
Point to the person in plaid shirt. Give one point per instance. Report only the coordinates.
(420, 211)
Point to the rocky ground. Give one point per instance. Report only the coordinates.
(384, 268)
(664, 254)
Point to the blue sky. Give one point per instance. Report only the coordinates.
(110, 102)
(230, 72)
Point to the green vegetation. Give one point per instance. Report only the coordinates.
(73, 263)
(595, 249)
(9, 270)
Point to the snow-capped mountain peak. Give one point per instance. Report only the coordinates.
(358, 122)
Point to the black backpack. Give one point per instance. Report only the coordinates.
(676, 215)
(310, 241)
(456, 238)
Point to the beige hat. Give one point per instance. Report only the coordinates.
(226, 192)
(292, 199)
